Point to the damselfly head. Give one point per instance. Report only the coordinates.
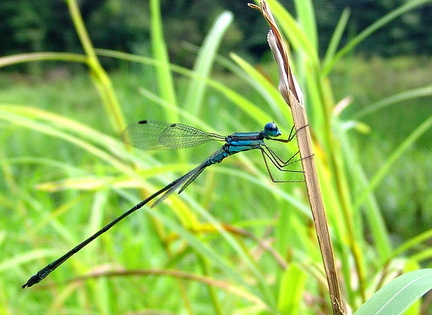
(272, 130)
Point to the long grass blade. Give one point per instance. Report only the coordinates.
(204, 63)
(306, 17)
(399, 294)
(160, 54)
(397, 98)
(336, 37)
(403, 147)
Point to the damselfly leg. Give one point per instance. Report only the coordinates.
(270, 155)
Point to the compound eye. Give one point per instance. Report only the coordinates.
(272, 130)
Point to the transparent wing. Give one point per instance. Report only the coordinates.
(158, 135)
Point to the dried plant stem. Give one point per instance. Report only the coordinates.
(316, 203)
(293, 96)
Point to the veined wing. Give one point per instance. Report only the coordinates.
(158, 135)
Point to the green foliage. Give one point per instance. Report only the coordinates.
(399, 294)
(246, 240)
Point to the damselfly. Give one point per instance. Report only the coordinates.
(156, 135)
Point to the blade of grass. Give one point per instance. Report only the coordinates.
(336, 37)
(160, 54)
(101, 78)
(380, 175)
(399, 294)
(45, 56)
(412, 243)
(223, 285)
(292, 290)
(204, 63)
(262, 84)
(306, 17)
(397, 98)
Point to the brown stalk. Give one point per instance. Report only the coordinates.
(292, 95)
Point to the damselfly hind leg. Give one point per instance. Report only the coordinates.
(296, 174)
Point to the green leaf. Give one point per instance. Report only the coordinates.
(399, 294)
(291, 290)
(205, 61)
(160, 53)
